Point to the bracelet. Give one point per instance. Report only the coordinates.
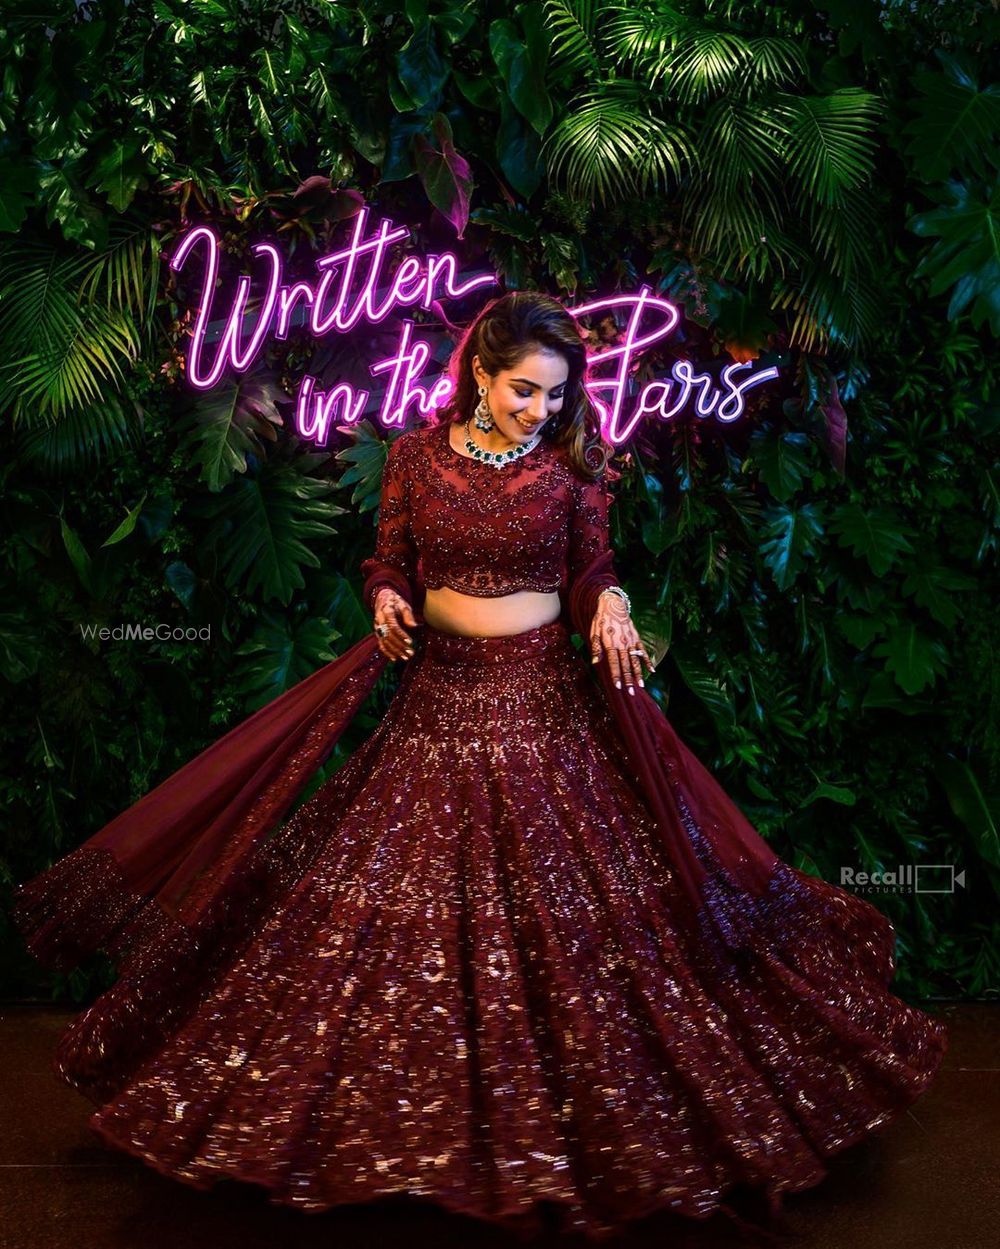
(616, 589)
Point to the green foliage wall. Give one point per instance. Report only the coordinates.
(811, 183)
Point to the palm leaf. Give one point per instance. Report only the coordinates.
(844, 232)
(828, 309)
(79, 439)
(773, 61)
(727, 228)
(608, 148)
(122, 273)
(707, 63)
(737, 151)
(828, 139)
(571, 25)
(58, 353)
(639, 36)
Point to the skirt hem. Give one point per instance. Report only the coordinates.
(527, 1219)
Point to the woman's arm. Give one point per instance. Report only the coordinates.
(588, 537)
(394, 563)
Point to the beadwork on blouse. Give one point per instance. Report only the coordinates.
(446, 519)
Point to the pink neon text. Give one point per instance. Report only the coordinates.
(347, 292)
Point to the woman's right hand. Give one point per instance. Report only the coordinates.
(393, 610)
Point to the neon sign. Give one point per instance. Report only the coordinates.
(341, 299)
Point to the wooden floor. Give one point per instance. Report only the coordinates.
(928, 1180)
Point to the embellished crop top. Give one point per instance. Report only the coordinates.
(446, 519)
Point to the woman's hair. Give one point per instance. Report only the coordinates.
(508, 329)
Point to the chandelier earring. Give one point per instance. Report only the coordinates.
(484, 418)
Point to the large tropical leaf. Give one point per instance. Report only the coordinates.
(445, 175)
(422, 69)
(260, 526)
(281, 652)
(522, 60)
(789, 539)
(967, 254)
(226, 425)
(875, 532)
(957, 123)
(365, 457)
(912, 657)
(781, 459)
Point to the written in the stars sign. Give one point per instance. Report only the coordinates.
(355, 284)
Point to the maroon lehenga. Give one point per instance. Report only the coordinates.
(520, 950)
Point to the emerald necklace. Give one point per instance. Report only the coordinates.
(499, 458)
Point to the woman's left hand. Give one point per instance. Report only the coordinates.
(613, 633)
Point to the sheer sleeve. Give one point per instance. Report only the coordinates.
(589, 529)
(394, 563)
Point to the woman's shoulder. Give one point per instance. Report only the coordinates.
(411, 442)
(422, 436)
(579, 480)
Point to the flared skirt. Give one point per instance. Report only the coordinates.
(479, 993)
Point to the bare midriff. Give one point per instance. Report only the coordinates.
(474, 616)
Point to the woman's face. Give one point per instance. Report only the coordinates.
(523, 399)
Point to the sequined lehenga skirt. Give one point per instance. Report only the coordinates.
(477, 993)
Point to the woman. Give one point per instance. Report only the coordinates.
(521, 951)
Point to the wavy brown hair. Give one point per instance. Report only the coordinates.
(510, 328)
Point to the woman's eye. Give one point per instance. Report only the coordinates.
(522, 394)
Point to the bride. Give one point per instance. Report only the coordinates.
(521, 952)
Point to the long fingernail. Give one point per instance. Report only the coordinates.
(631, 690)
(595, 659)
(618, 685)
(642, 683)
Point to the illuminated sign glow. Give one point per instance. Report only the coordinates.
(341, 299)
